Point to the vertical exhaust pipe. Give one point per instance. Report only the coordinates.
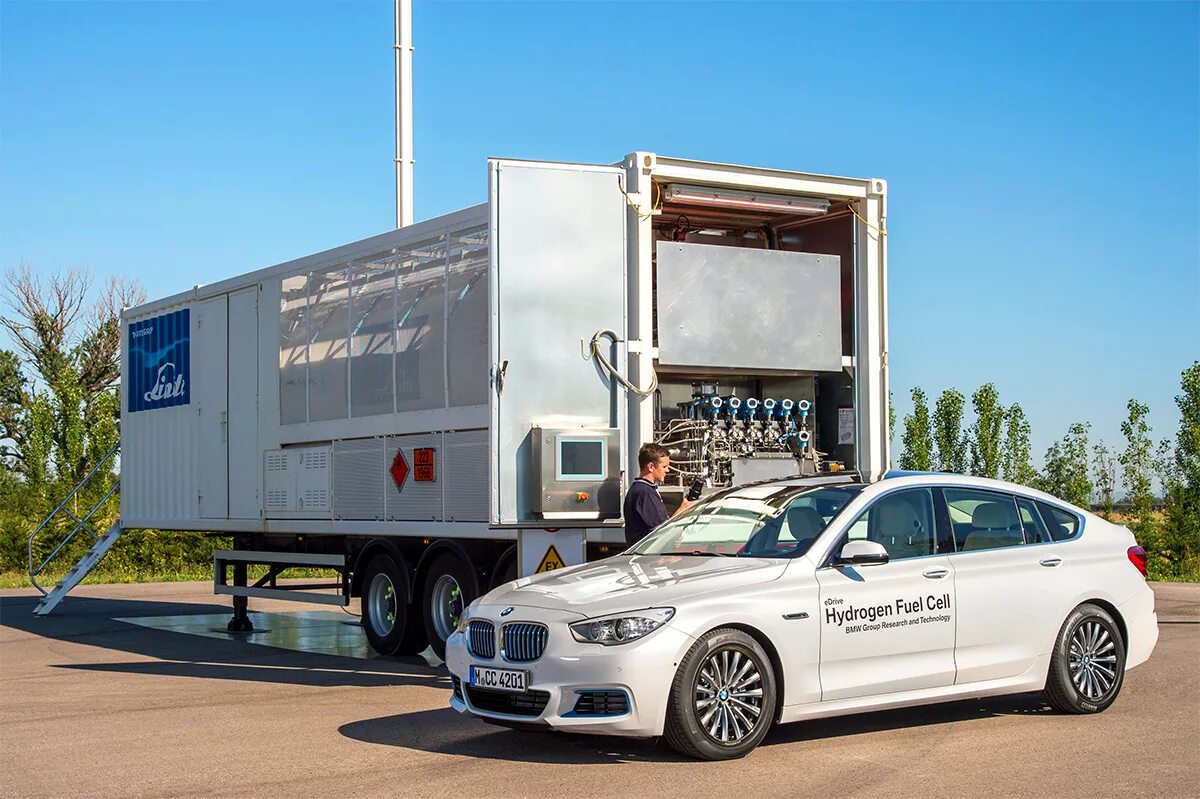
(404, 132)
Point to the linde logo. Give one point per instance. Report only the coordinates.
(159, 361)
(169, 384)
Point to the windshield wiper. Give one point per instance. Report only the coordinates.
(706, 554)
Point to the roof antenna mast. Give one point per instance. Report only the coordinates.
(403, 48)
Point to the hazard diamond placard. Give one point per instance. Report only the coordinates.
(399, 470)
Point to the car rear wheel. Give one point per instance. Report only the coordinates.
(1087, 667)
(722, 701)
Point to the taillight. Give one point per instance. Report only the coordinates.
(1137, 556)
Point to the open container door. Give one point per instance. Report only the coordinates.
(557, 277)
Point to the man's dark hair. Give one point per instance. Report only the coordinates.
(650, 453)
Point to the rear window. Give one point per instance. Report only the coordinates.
(1063, 525)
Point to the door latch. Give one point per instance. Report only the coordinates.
(498, 374)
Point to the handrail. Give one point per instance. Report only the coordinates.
(80, 524)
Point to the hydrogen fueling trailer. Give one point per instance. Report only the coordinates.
(436, 410)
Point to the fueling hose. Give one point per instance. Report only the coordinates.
(594, 352)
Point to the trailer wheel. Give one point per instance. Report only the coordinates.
(447, 589)
(388, 619)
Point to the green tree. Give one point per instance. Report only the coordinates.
(1181, 480)
(1104, 477)
(918, 440)
(891, 422)
(57, 389)
(1066, 469)
(1137, 463)
(985, 435)
(1016, 465)
(58, 402)
(948, 432)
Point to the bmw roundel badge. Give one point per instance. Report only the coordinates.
(506, 611)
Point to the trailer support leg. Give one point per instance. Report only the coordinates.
(240, 623)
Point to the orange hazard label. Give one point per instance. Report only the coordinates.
(425, 465)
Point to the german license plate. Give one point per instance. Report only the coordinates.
(499, 679)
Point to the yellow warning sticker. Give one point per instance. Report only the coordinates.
(550, 561)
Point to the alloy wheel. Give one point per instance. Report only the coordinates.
(1093, 660)
(729, 696)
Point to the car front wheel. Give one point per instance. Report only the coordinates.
(1087, 667)
(722, 701)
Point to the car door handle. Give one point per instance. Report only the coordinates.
(936, 574)
(1050, 562)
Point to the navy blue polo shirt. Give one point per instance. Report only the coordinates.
(643, 510)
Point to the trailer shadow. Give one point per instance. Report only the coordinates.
(444, 731)
(170, 652)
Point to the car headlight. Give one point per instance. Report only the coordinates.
(462, 623)
(621, 628)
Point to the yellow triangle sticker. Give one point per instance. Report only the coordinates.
(550, 561)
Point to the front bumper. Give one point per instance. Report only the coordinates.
(643, 670)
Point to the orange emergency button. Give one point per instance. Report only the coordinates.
(581, 496)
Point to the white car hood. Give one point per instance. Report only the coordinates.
(633, 582)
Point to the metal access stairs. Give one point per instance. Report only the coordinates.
(102, 543)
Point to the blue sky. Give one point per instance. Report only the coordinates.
(1043, 159)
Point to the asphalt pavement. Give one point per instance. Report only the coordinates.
(115, 695)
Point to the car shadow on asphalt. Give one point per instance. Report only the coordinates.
(164, 652)
(444, 731)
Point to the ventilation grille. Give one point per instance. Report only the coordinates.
(601, 703)
(530, 703)
(315, 459)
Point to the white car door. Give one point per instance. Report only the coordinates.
(1009, 589)
(890, 627)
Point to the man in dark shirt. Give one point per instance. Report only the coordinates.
(644, 509)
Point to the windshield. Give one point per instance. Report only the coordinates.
(757, 522)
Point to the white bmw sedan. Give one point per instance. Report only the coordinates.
(805, 598)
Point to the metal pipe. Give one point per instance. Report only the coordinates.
(404, 132)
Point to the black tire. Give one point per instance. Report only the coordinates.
(507, 571)
(434, 587)
(403, 633)
(1087, 667)
(687, 726)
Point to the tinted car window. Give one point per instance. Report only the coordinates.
(1031, 522)
(1063, 525)
(903, 521)
(983, 519)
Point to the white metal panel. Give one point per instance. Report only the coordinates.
(359, 475)
(417, 500)
(244, 451)
(158, 474)
(873, 445)
(313, 486)
(557, 278)
(210, 364)
(279, 480)
(467, 476)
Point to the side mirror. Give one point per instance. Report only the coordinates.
(861, 553)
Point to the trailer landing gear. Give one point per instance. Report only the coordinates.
(240, 623)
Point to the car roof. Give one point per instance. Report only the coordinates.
(909, 477)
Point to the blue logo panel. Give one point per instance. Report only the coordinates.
(160, 361)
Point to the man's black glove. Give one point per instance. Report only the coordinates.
(693, 493)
